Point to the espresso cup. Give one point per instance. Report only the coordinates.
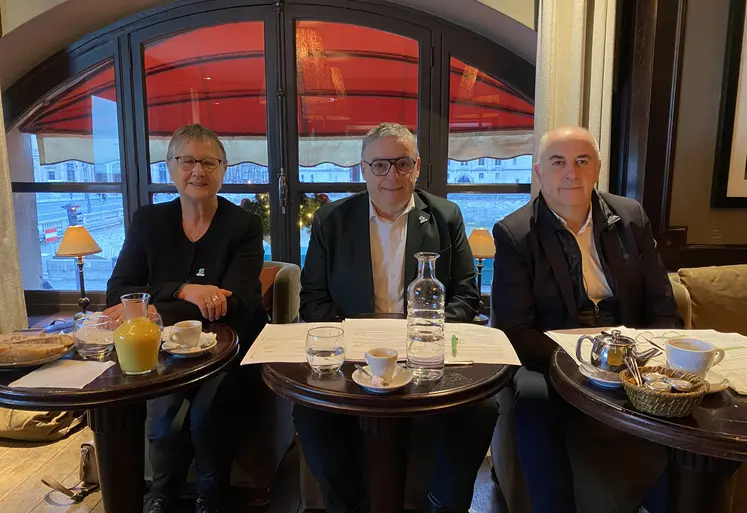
(693, 355)
(186, 333)
(382, 362)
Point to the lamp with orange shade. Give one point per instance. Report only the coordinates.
(77, 242)
(481, 242)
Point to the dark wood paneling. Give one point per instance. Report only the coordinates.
(729, 90)
(645, 94)
(649, 46)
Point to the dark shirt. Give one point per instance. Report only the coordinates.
(157, 258)
(606, 312)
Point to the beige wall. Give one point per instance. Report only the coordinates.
(520, 10)
(700, 97)
(65, 21)
(17, 12)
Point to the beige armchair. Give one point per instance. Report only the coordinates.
(267, 440)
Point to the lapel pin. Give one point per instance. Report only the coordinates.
(422, 219)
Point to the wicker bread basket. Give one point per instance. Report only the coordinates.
(664, 404)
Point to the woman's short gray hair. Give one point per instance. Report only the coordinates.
(388, 129)
(190, 133)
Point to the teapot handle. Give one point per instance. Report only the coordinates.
(580, 357)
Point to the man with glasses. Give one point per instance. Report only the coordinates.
(360, 261)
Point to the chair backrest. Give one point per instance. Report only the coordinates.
(281, 291)
(718, 296)
(682, 297)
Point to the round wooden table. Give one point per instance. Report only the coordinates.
(116, 411)
(384, 417)
(716, 431)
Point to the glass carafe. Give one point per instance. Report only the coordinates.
(138, 340)
(425, 321)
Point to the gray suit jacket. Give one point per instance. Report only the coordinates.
(337, 278)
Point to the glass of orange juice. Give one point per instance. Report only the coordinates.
(138, 340)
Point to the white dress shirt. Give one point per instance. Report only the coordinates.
(595, 282)
(388, 240)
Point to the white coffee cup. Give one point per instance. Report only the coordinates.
(693, 355)
(186, 333)
(382, 362)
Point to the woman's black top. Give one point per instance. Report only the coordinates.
(158, 258)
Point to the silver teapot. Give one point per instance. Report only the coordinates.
(608, 351)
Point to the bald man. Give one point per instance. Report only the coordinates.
(574, 257)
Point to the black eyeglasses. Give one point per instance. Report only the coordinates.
(381, 167)
(208, 165)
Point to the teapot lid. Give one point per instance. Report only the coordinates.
(615, 337)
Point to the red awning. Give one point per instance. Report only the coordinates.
(350, 78)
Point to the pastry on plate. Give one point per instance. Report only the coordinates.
(18, 347)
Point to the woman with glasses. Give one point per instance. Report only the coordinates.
(199, 257)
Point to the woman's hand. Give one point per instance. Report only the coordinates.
(210, 299)
(116, 313)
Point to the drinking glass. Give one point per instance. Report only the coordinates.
(325, 349)
(94, 336)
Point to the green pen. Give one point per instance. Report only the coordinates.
(454, 342)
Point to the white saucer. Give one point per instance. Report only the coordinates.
(600, 378)
(207, 342)
(401, 378)
(717, 381)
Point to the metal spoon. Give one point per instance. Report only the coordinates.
(634, 371)
(363, 370)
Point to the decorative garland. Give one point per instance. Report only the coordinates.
(309, 205)
(260, 206)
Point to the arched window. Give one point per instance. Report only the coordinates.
(290, 102)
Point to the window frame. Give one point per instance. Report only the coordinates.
(398, 26)
(123, 41)
(502, 64)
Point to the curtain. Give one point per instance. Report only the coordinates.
(575, 60)
(12, 303)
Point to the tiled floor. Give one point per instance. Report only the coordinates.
(22, 465)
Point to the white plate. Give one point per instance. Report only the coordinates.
(35, 363)
(717, 381)
(401, 378)
(207, 342)
(600, 378)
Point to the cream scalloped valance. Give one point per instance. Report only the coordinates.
(342, 151)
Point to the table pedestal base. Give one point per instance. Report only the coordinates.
(386, 462)
(119, 435)
(698, 482)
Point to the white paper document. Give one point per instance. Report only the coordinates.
(63, 374)
(282, 343)
(475, 344)
(479, 344)
(364, 334)
(733, 366)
